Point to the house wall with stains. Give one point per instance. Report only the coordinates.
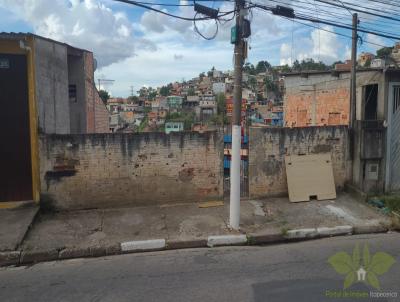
(268, 147)
(107, 170)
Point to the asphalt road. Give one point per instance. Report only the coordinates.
(285, 272)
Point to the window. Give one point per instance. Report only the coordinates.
(396, 98)
(72, 93)
(371, 102)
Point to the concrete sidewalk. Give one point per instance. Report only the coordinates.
(112, 231)
(15, 222)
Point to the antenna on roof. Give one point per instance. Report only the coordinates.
(104, 82)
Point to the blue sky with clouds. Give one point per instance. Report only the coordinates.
(138, 47)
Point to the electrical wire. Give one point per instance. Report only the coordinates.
(169, 14)
(327, 22)
(200, 34)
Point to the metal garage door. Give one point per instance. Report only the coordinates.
(394, 137)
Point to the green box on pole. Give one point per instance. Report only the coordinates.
(234, 35)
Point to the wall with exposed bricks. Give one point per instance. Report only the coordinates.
(107, 170)
(323, 99)
(268, 147)
(97, 117)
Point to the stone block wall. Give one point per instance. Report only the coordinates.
(107, 170)
(268, 147)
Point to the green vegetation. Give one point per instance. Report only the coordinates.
(186, 118)
(143, 124)
(133, 98)
(104, 95)
(165, 90)
(309, 64)
(384, 52)
(392, 202)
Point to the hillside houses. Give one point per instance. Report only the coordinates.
(194, 104)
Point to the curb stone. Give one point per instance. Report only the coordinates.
(226, 240)
(143, 245)
(28, 257)
(369, 229)
(335, 231)
(9, 258)
(181, 244)
(70, 253)
(35, 256)
(260, 238)
(301, 234)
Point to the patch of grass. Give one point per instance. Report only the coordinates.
(284, 231)
(392, 202)
(250, 240)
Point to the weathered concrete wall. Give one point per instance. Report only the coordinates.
(323, 99)
(106, 170)
(51, 77)
(268, 147)
(78, 108)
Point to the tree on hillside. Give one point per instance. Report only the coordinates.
(133, 98)
(165, 90)
(221, 103)
(104, 95)
(249, 68)
(384, 52)
(262, 66)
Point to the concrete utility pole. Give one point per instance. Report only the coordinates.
(353, 85)
(234, 213)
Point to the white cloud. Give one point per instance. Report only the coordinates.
(321, 45)
(85, 24)
(374, 41)
(171, 62)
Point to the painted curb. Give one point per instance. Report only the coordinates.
(35, 256)
(301, 234)
(335, 231)
(226, 240)
(144, 245)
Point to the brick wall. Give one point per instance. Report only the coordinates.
(97, 117)
(106, 170)
(268, 147)
(102, 120)
(323, 98)
(331, 107)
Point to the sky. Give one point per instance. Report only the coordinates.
(136, 47)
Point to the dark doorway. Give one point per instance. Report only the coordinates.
(15, 150)
(371, 102)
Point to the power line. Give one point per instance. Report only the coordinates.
(345, 7)
(169, 14)
(335, 24)
(360, 10)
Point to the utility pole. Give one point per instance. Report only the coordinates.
(234, 211)
(353, 81)
(131, 90)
